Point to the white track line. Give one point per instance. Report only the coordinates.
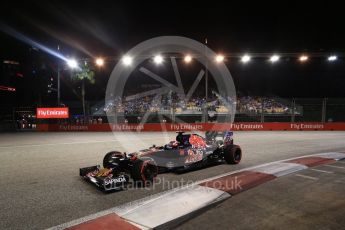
(323, 171)
(307, 177)
(334, 166)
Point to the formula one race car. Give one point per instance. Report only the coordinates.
(188, 151)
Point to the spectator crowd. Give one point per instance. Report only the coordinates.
(176, 104)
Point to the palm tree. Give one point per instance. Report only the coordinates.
(84, 73)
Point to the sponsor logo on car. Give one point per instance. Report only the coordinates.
(197, 141)
(194, 155)
(119, 179)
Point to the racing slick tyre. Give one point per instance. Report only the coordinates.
(144, 171)
(112, 159)
(232, 154)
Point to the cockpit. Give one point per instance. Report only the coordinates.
(183, 139)
(186, 140)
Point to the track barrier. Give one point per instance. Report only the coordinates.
(239, 126)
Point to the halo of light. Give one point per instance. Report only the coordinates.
(72, 63)
(332, 58)
(246, 58)
(127, 60)
(99, 61)
(219, 58)
(158, 59)
(274, 58)
(188, 58)
(303, 58)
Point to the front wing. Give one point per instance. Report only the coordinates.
(105, 183)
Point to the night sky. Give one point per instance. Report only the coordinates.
(110, 28)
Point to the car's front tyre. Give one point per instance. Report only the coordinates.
(144, 171)
(232, 154)
(112, 159)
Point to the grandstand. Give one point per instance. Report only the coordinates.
(244, 105)
(171, 106)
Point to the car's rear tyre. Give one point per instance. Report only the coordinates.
(144, 171)
(111, 159)
(232, 154)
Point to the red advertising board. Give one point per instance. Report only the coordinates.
(48, 113)
(238, 126)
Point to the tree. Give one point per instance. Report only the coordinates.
(84, 73)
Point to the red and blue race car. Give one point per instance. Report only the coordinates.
(186, 152)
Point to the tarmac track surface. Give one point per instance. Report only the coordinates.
(40, 186)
